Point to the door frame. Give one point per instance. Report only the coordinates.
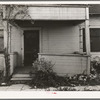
(40, 41)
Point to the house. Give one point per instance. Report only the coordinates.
(58, 33)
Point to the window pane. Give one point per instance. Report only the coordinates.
(84, 45)
(95, 39)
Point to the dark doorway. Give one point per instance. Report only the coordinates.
(31, 46)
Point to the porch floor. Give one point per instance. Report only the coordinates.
(23, 70)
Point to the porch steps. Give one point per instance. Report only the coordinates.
(20, 78)
(21, 75)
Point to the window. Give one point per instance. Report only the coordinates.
(94, 40)
(1, 41)
(84, 45)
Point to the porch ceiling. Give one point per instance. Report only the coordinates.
(31, 23)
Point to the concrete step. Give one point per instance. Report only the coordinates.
(21, 79)
(21, 76)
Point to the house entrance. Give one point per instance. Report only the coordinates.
(31, 46)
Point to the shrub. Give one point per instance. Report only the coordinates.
(43, 75)
(43, 65)
(95, 67)
(82, 79)
(2, 78)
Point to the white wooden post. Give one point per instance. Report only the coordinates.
(87, 35)
(5, 33)
(5, 42)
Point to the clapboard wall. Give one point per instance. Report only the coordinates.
(59, 38)
(57, 13)
(59, 41)
(67, 64)
(16, 42)
(48, 12)
(94, 21)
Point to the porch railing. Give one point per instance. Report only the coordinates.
(67, 63)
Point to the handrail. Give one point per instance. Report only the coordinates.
(55, 54)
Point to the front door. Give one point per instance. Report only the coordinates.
(31, 46)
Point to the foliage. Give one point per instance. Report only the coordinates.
(66, 89)
(43, 65)
(44, 76)
(95, 66)
(1, 76)
(82, 79)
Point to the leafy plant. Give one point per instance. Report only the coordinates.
(44, 76)
(66, 89)
(1, 76)
(95, 67)
(43, 65)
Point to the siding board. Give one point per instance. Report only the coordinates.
(67, 64)
(56, 13)
(16, 43)
(60, 39)
(50, 13)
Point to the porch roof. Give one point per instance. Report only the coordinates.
(47, 12)
(40, 23)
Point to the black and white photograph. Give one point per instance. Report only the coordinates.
(49, 47)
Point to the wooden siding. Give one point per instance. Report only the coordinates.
(49, 13)
(60, 39)
(16, 43)
(94, 55)
(56, 13)
(67, 64)
(95, 21)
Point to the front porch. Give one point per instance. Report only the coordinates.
(58, 40)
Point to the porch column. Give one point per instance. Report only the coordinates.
(6, 29)
(6, 45)
(5, 42)
(87, 35)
